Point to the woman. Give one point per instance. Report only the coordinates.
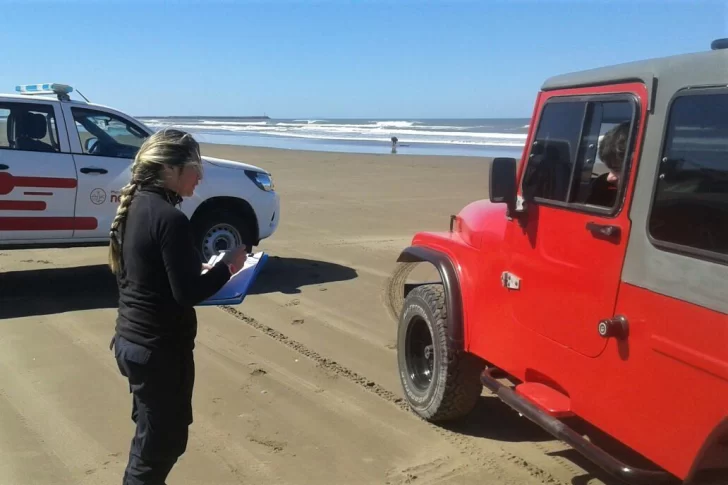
(159, 275)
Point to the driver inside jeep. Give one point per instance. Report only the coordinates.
(611, 151)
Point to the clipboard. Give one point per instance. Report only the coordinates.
(236, 288)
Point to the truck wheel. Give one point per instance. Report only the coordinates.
(439, 383)
(220, 231)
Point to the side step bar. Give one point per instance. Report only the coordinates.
(566, 434)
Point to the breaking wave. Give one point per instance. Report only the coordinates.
(505, 133)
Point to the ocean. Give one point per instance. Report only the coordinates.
(454, 137)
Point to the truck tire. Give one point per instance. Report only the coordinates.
(439, 383)
(221, 230)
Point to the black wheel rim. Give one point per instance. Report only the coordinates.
(420, 354)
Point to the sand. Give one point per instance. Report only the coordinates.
(296, 386)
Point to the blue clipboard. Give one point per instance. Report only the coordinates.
(236, 289)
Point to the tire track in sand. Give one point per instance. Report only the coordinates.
(494, 462)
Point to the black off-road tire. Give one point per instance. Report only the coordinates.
(220, 218)
(454, 386)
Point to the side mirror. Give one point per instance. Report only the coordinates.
(503, 182)
(90, 142)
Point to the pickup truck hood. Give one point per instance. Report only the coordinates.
(220, 162)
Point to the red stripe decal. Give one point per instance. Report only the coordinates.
(8, 182)
(37, 193)
(48, 223)
(85, 223)
(22, 205)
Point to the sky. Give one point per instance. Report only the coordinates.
(336, 59)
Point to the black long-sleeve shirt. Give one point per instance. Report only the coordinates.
(161, 281)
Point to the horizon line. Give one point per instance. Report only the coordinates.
(323, 118)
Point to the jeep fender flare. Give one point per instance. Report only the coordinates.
(713, 440)
(451, 284)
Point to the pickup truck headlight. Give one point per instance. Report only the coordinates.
(263, 180)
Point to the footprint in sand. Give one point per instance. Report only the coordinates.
(276, 446)
(39, 261)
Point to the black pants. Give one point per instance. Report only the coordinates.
(161, 383)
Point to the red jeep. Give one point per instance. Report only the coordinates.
(591, 290)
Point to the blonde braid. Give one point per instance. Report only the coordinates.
(127, 194)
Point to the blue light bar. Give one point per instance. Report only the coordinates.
(45, 88)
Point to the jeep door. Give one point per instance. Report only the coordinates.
(37, 174)
(104, 145)
(568, 250)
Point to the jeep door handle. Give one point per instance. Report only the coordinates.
(617, 327)
(603, 230)
(3, 166)
(93, 170)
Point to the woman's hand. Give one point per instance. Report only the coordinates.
(235, 258)
(206, 266)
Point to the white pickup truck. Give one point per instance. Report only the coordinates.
(63, 162)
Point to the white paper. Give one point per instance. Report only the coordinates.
(239, 283)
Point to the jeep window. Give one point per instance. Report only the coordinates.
(690, 206)
(553, 152)
(28, 127)
(105, 135)
(565, 166)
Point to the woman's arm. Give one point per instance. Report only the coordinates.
(182, 262)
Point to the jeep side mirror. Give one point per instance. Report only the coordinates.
(503, 182)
